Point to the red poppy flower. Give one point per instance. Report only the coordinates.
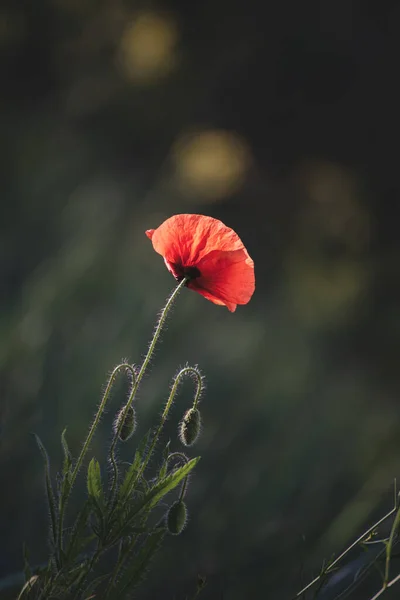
(210, 254)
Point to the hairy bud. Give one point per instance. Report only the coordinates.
(129, 424)
(189, 428)
(176, 517)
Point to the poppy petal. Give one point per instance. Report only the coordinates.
(227, 277)
(187, 238)
(230, 305)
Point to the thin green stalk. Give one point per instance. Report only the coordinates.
(185, 459)
(389, 547)
(98, 417)
(164, 415)
(156, 335)
(85, 447)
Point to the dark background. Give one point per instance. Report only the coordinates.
(281, 119)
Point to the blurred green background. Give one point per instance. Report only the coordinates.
(279, 118)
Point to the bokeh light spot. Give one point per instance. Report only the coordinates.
(210, 164)
(147, 47)
(321, 296)
(335, 209)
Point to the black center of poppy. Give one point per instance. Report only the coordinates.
(188, 272)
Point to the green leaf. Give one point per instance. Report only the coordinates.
(49, 490)
(96, 496)
(128, 484)
(94, 487)
(66, 472)
(161, 488)
(140, 563)
(166, 450)
(163, 471)
(144, 504)
(67, 454)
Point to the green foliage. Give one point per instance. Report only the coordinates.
(74, 541)
(138, 568)
(49, 490)
(67, 453)
(163, 470)
(128, 483)
(94, 486)
(100, 526)
(117, 524)
(161, 488)
(66, 472)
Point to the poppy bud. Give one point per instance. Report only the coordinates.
(176, 517)
(129, 424)
(189, 428)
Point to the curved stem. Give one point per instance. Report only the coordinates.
(183, 488)
(182, 372)
(183, 457)
(98, 416)
(199, 388)
(156, 335)
(63, 501)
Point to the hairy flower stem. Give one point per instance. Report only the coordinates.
(63, 500)
(185, 459)
(156, 335)
(182, 373)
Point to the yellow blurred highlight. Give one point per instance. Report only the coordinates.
(334, 210)
(147, 47)
(322, 295)
(326, 273)
(210, 164)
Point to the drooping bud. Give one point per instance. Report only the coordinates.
(189, 428)
(129, 423)
(176, 517)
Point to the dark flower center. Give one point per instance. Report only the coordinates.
(190, 272)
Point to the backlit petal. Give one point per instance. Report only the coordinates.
(227, 276)
(188, 238)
